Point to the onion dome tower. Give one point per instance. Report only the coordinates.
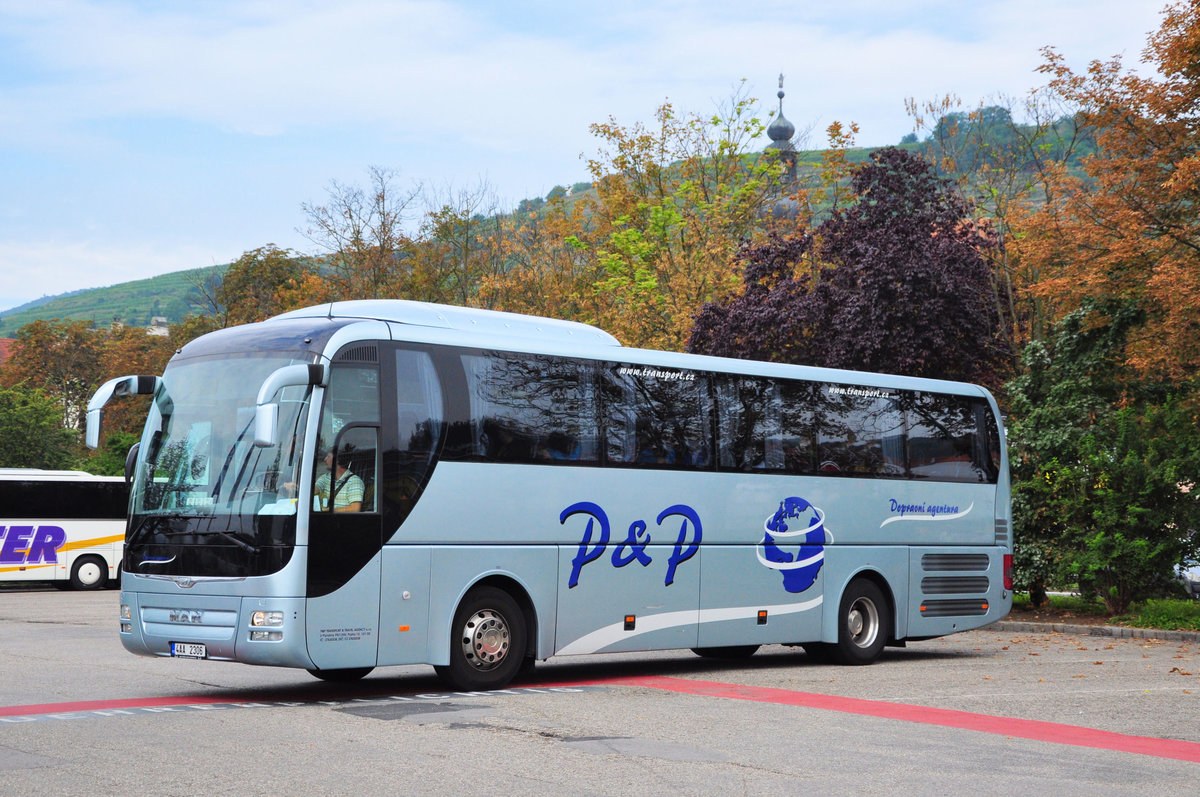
(780, 132)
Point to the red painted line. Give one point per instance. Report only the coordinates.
(1035, 730)
(110, 705)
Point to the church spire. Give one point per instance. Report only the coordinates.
(780, 131)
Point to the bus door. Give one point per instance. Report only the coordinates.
(345, 532)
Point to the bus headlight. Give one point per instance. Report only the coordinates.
(125, 613)
(266, 619)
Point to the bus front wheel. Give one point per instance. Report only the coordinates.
(89, 572)
(863, 623)
(487, 641)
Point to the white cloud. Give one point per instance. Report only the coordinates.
(134, 102)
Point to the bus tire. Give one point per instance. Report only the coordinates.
(89, 572)
(343, 676)
(863, 623)
(728, 652)
(487, 641)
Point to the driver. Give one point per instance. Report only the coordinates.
(347, 488)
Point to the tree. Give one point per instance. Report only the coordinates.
(1128, 229)
(459, 247)
(31, 430)
(655, 237)
(254, 286)
(129, 350)
(64, 359)
(895, 282)
(1104, 471)
(109, 459)
(1009, 170)
(362, 233)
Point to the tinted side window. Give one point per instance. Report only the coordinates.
(861, 432)
(750, 419)
(65, 500)
(418, 404)
(656, 417)
(942, 439)
(527, 408)
(802, 404)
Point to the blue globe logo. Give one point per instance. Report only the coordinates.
(799, 526)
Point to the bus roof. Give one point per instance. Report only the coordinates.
(464, 319)
(449, 325)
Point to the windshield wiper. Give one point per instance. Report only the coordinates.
(225, 535)
(192, 532)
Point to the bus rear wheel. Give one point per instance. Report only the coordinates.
(863, 623)
(89, 572)
(487, 642)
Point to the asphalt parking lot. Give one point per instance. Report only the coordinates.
(992, 710)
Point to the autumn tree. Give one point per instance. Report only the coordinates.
(459, 246)
(1011, 158)
(1128, 230)
(254, 286)
(548, 268)
(674, 203)
(62, 358)
(361, 233)
(895, 282)
(129, 350)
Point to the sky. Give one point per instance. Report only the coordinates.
(139, 138)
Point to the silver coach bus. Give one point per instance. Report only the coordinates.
(376, 483)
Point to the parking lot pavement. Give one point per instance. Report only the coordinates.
(658, 723)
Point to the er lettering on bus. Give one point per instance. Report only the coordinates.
(27, 545)
(16, 541)
(45, 544)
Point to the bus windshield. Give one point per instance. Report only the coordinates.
(198, 457)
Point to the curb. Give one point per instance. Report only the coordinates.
(1117, 631)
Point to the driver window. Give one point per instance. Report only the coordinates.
(348, 453)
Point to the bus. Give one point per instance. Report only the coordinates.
(64, 526)
(371, 483)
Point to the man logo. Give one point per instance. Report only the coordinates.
(186, 616)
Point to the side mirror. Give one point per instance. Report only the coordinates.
(114, 388)
(266, 412)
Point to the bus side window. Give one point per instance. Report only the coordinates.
(655, 417)
(941, 439)
(419, 426)
(531, 409)
(749, 412)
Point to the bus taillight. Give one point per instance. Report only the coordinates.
(1008, 571)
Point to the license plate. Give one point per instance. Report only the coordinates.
(189, 650)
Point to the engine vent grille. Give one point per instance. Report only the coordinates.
(954, 608)
(954, 561)
(954, 585)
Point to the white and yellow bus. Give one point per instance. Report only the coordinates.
(61, 525)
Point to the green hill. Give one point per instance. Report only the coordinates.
(172, 296)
